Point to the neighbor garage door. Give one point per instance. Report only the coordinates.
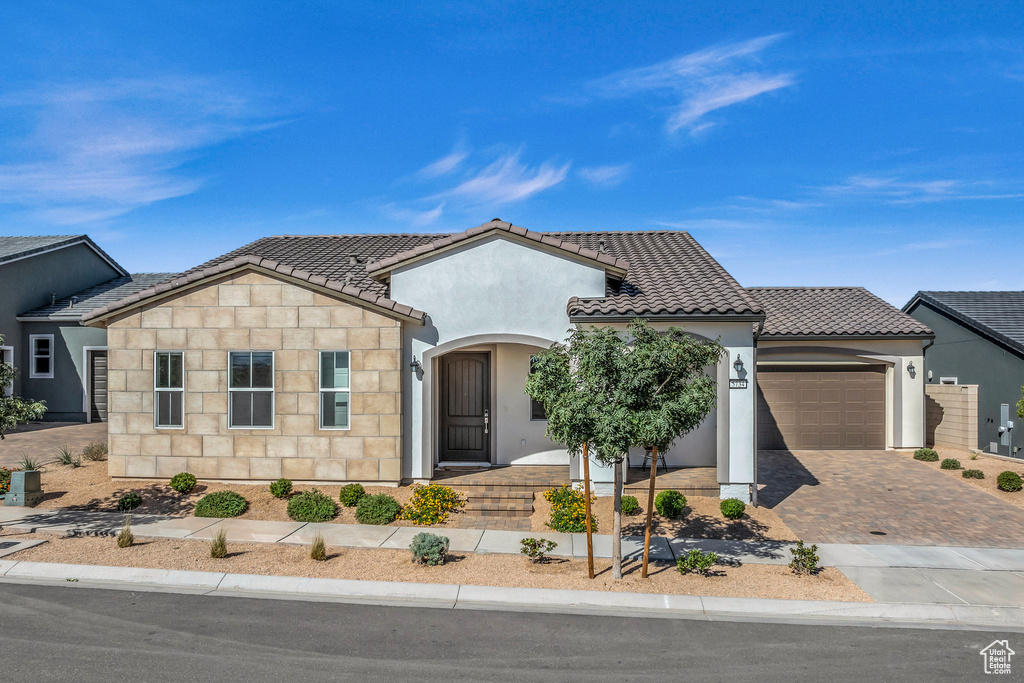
(829, 407)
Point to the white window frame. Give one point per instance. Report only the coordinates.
(158, 390)
(273, 383)
(948, 380)
(333, 390)
(32, 374)
(529, 371)
(8, 391)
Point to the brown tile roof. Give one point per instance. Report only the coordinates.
(222, 266)
(832, 311)
(609, 261)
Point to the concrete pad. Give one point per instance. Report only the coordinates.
(1004, 589)
(11, 514)
(1011, 618)
(729, 552)
(844, 555)
(632, 547)
(509, 542)
(561, 601)
(1002, 559)
(6, 565)
(94, 573)
(8, 547)
(344, 590)
(897, 584)
(459, 540)
(249, 531)
(920, 556)
(342, 535)
(172, 527)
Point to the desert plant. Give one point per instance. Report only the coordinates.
(429, 549)
(27, 462)
(805, 560)
(537, 548)
(66, 456)
(926, 455)
(697, 562)
(95, 452)
(125, 538)
(312, 506)
(351, 494)
(972, 474)
(950, 464)
(568, 510)
(1009, 481)
(671, 504)
(219, 545)
(732, 508)
(281, 488)
(183, 482)
(129, 501)
(431, 504)
(318, 551)
(221, 504)
(974, 456)
(630, 505)
(377, 509)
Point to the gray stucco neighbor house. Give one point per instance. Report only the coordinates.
(979, 339)
(387, 357)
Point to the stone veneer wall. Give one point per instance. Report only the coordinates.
(952, 416)
(254, 311)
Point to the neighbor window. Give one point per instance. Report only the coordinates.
(41, 346)
(169, 387)
(947, 380)
(251, 389)
(335, 387)
(536, 409)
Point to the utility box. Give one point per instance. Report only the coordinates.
(26, 489)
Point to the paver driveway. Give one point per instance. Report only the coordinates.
(41, 440)
(844, 496)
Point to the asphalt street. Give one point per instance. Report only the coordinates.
(75, 634)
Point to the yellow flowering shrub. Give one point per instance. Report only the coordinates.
(568, 510)
(431, 504)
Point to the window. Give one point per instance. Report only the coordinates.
(169, 387)
(536, 409)
(947, 380)
(251, 390)
(335, 387)
(41, 346)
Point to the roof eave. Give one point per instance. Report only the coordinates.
(768, 336)
(665, 317)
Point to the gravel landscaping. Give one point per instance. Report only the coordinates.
(750, 580)
(990, 466)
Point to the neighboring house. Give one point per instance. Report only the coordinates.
(979, 340)
(48, 283)
(380, 358)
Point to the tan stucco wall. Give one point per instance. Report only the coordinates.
(952, 415)
(255, 311)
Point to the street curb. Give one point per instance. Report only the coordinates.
(545, 600)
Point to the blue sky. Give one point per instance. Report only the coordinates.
(870, 146)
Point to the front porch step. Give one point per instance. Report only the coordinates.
(499, 503)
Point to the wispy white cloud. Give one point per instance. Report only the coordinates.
(99, 150)
(716, 224)
(928, 245)
(419, 219)
(604, 176)
(897, 190)
(701, 82)
(506, 180)
(446, 164)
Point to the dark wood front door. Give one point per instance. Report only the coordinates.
(465, 407)
(98, 386)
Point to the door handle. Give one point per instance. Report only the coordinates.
(487, 420)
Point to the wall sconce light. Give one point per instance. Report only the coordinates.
(910, 367)
(738, 364)
(415, 365)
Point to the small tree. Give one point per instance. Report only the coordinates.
(15, 410)
(1020, 404)
(619, 391)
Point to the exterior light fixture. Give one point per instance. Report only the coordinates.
(738, 364)
(415, 364)
(910, 367)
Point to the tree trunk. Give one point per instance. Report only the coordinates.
(617, 524)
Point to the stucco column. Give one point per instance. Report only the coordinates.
(736, 473)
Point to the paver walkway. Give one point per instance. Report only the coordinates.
(881, 497)
(40, 440)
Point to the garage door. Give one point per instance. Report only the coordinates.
(830, 407)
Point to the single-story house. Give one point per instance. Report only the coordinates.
(382, 358)
(979, 340)
(48, 284)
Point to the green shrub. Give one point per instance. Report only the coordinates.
(431, 504)
(671, 504)
(429, 549)
(630, 505)
(732, 508)
(318, 551)
(219, 545)
(972, 474)
(129, 502)
(27, 462)
(183, 482)
(66, 456)
(281, 488)
(568, 510)
(926, 455)
(378, 509)
(805, 560)
(126, 538)
(697, 562)
(1009, 481)
(221, 504)
(351, 494)
(96, 451)
(537, 548)
(950, 464)
(312, 506)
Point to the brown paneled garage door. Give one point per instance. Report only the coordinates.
(827, 407)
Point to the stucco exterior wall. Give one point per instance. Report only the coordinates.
(64, 393)
(255, 311)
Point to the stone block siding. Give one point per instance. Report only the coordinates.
(253, 311)
(952, 415)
